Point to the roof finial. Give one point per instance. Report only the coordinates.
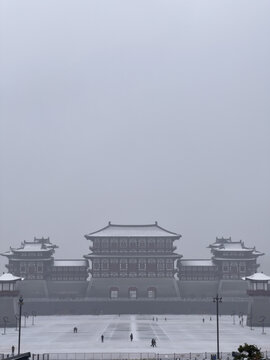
(109, 223)
(156, 223)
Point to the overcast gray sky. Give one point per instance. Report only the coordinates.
(135, 111)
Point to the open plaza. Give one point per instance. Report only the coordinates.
(173, 334)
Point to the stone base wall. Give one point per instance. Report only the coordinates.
(258, 308)
(8, 308)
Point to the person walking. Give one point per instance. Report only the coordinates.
(12, 349)
(131, 337)
(102, 338)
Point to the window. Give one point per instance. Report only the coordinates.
(151, 244)
(132, 292)
(168, 244)
(105, 264)
(142, 265)
(123, 264)
(242, 267)
(123, 244)
(105, 244)
(114, 245)
(96, 265)
(142, 244)
(114, 293)
(160, 244)
(225, 267)
(169, 265)
(133, 245)
(22, 268)
(151, 293)
(161, 264)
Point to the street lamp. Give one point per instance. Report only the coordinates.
(17, 321)
(262, 321)
(20, 323)
(34, 314)
(250, 317)
(5, 320)
(233, 316)
(217, 300)
(25, 317)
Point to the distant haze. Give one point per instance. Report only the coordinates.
(135, 111)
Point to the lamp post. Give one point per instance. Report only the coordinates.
(34, 314)
(25, 317)
(262, 321)
(17, 321)
(250, 318)
(233, 316)
(20, 323)
(217, 300)
(5, 320)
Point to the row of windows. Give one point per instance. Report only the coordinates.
(124, 265)
(133, 293)
(32, 254)
(68, 268)
(199, 277)
(234, 254)
(124, 243)
(132, 274)
(68, 278)
(198, 268)
(31, 268)
(8, 286)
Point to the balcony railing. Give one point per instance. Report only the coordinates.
(9, 293)
(258, 292)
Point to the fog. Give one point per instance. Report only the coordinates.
(134, 112)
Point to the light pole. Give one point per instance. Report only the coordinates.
(5, 320)
(17, 320)
(20, 323)
(233, 316)
(250, 318)
(34, 314)
(217, 300)
(25, 317)
(262, 321)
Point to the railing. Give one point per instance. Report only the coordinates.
(9, 293)
(134, 356)
(258, 292)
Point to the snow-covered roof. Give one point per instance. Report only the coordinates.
(197, 262)
(151, 230)
(67, 262)
(257, 277)
(9, 277)
(32, 247)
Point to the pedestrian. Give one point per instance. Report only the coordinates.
(203, 320)
(102, 338)
(210, 318)
(12, 349)
(155, 343)
(152, 342)
(131, 337)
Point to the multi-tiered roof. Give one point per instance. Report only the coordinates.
(225, 247)
(149, 230)
(39, 245)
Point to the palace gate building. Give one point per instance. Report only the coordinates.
(133, 261)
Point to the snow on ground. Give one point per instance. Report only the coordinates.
(176, 333)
